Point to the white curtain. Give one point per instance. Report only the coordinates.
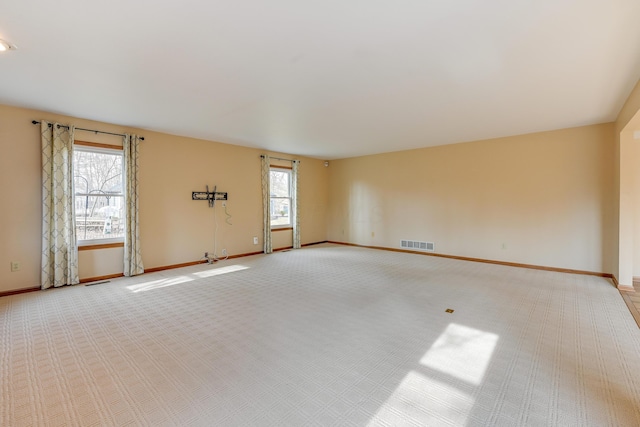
(59, 247)
(266, 204)
(295, 220)
(132, 255)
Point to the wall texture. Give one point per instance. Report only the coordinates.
(543, 199)
(635, 157)
(174, 229)
(549, 199)
(627, 202)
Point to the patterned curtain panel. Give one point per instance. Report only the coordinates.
(132, 255)
(295, 220)
(59, 247)
(266, 204)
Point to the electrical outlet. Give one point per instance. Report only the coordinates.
(224, 252)
(15, 266)
(255, 240)
(224, 204)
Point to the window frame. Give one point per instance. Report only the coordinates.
(91, 147)
(289, 224)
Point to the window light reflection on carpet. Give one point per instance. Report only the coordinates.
(407, 406)
(221, 270)
(156, 284)
(462, 352)
(163, 283)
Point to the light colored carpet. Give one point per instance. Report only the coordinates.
(327, 335)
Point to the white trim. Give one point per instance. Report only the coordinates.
(110, 152)
(93, 242)
(289, 198)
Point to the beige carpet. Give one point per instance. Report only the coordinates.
(323, 336)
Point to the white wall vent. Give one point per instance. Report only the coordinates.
(417, 245)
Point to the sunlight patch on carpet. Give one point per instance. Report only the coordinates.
(408, 405)
(221, 270)
(156, 284)
(462, 352)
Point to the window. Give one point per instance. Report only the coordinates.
(98, 181)
(280, 182)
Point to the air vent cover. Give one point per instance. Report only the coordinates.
(418, 245)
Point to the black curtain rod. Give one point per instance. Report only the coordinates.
(35, 122)
(278, 158)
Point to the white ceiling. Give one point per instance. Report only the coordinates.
(327, 79)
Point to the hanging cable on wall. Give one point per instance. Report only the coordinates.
(211, 197)
(228, 218)
(225, 254)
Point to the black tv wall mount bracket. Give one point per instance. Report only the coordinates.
(210, 196)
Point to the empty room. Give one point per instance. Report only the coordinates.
(284, 213)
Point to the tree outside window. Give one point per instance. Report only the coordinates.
(99, 196)
(280, 182)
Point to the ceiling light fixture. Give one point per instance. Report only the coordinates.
(5, 46)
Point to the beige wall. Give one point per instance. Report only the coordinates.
(174, 229)
(629, 109)
(635, 156)
(543, 199)
(627, 199)
(549, 199)
(627, 203)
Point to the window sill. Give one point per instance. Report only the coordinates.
(101, 246)
(281, 229)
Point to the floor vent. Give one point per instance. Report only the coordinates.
(417, 245)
